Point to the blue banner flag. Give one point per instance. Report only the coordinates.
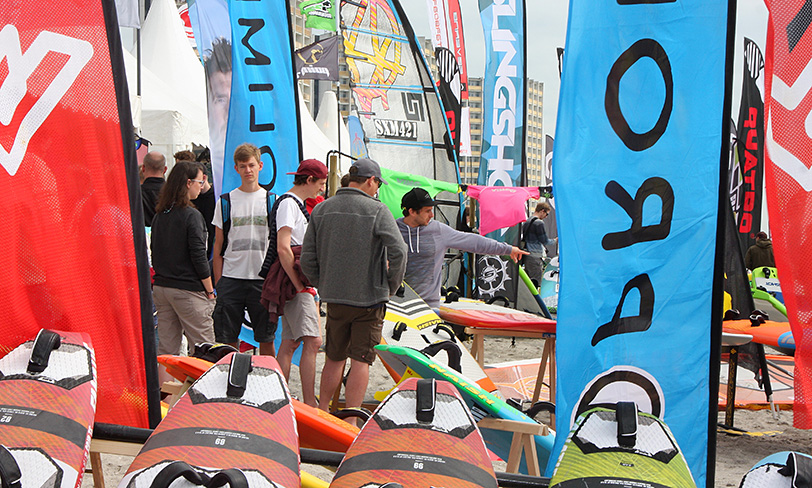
(263, 109)
(501, 161)
(638, 149)
(503, 94)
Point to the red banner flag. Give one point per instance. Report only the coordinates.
(69, 261)
(788, 87)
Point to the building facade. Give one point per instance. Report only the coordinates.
(534, 147)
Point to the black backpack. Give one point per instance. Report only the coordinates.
(271, 255)
(525, 229)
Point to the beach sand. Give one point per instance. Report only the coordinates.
(735, 454)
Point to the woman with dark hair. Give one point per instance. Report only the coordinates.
(183, 292)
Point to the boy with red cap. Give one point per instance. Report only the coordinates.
(286, 290)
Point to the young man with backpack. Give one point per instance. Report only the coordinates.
(240, 244)
(286, 291)
(535, 237)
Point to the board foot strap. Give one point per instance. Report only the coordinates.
(9, 470)
(44, 344)
(232, 477)
(426, 395)
(451, 348)
(626, 415)
(238, 374)
(799, 468)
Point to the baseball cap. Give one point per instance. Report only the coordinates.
(311, 167)
(367, 168)
(417, 198)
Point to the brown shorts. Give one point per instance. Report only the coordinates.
(353, 332)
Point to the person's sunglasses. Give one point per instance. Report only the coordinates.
(378, 181)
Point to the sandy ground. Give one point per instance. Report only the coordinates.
(735, 454)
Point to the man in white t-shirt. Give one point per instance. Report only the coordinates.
(300, 322)
(240, 243)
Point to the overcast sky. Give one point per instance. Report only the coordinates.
(547, 23)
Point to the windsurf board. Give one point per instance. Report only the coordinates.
(235, 423)
(481, 402)
(421, 435)
(317, 428)
(476, 313)
(786, 469)
(48, 392)
(620, 448)
(770, 333)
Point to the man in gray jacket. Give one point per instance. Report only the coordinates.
(429, 240)
(354, 255)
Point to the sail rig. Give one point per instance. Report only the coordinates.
(395, 98)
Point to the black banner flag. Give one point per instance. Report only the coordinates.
(450, 88)
(318, 61)
(748, 196)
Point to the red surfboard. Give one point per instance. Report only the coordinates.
(421, 435)
(47, 406)
(317, 428)
(235, 422)
(474, 313)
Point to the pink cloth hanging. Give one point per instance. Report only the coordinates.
(501, 206)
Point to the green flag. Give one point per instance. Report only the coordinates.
(400, 183)
(319, 14)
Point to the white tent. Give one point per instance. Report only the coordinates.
(173, 86)
(168, 118)
(314, 143)
(332, 125)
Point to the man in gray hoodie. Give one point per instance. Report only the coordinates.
(428, 241)
(353, 254)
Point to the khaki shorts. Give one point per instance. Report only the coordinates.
(353, 332)
(182, 312)
(301, 318)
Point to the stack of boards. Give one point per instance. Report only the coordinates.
(421, 435)
(409, 328)
(481, 403)
(411, 323)
(234, 425)
(48, 391)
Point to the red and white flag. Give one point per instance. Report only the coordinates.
(74, 249)
(788, 177)
(183, 11)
